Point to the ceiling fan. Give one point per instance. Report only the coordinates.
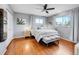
(45, 8)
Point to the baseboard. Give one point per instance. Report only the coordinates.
(18, 37)
(67, 39)
(4, 51)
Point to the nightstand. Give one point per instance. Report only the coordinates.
(27, 34)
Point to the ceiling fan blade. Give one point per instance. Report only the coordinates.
(47, 11)
(45, 6)
(50, 8)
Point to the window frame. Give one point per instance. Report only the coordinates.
(40, 21)
(65, 22)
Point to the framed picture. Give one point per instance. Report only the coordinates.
(21, 21)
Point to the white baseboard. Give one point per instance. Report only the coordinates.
(18, 37)
(4, 51)
(67, 39)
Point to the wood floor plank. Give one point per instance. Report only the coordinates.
(29, 46)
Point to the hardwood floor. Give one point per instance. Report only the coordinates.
(30, 46)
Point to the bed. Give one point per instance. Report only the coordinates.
(47, 35)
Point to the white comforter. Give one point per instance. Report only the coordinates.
(42, 33)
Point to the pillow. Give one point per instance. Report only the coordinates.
(43, 27)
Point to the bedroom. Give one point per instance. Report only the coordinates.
(27, 20)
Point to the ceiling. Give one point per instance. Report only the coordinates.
(35, 9)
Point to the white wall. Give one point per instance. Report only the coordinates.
(78, 27)
(19, 29)
(3, 45)
(76, 22)
(50, 19)
(9, 28)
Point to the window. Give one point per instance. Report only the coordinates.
(63, 20)
(58, 20)
(39, 21)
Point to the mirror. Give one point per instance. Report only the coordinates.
(3, 25)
